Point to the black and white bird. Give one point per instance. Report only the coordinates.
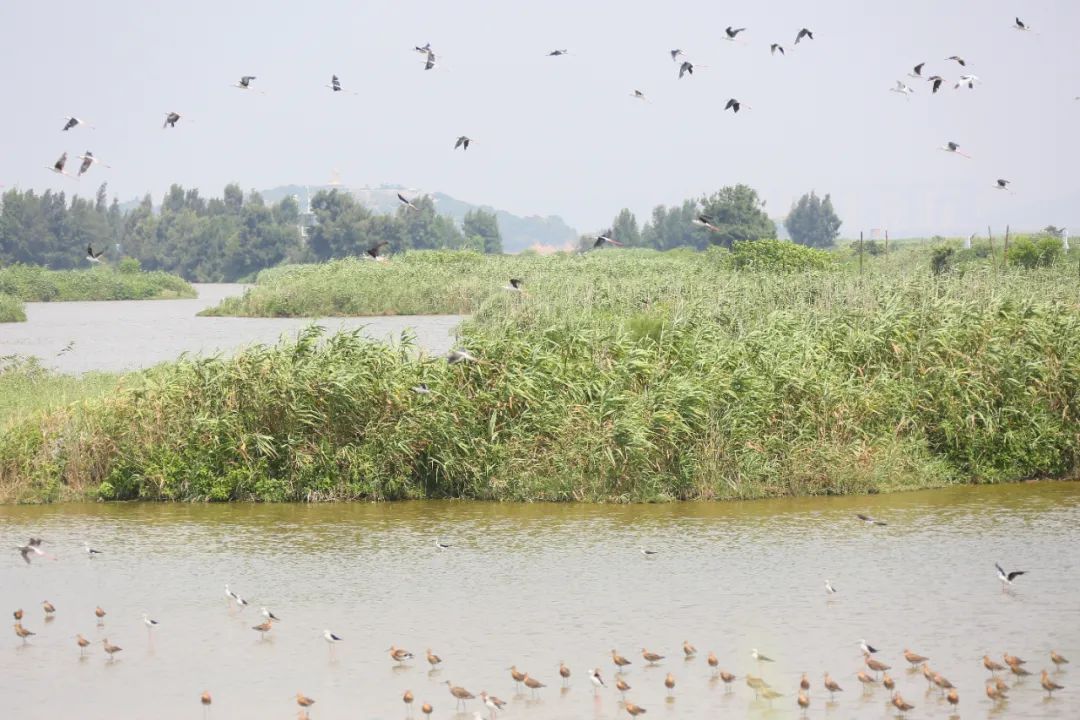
(58, 166)
(647, 552)
(558, 53)
(706, 221)
(149, 622)
(429, 61)
(937, 80)
(94, 257)
(954, 148)
(638, 95)
(423, 50)
(776, 47)
(958, 59)
(421, 389)
(91, 552)
(1002, 184)
(605, 238)
(759, 657)
(31, 549)
(686, 67)
(733, 105)
(597, 681)
(516, 285)
(171, 118)
(442, 545)
(916, 72)
(869, 520)
(241, 602)
(453, 358)
(270, 616)
(331, 638)
(462, 142)
(676, 53)
(373, 251)
(335, 83)
(1007, 578)
(866, 648)
(70, 121)
(229, 594)
(1021, 25)
(829, 589)
(406, 202)
(968, 80)
(730, 33)
(804, 33)
(88, 159)
(245, 82)
(902, 88)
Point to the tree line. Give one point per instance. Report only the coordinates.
(225, 238)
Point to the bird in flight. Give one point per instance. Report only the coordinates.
(958, 59)
(731, 33)
(902, 88)
(1007, 578)
(968, 80)
(463, 141)
(373, 251)
(954, 148)
(605, 238)
(245, 82)
(937, 80)
(516, 285)
(558, 53)
(706, 222)
(92, 256)
(686, 67)
(1021, 25)
(804, 33)
(775, 47)
(1002, 184)
(869, 520)
(429, 62)
(58, 166)
(423, 50)
(171, 118)
(88, 159)
(676, 53)
(31, 547)
(638, 95)
(916, 72)
(733, 105)
(71, 121)
(335, 83)
(407, 203)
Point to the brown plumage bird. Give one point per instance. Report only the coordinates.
(866, 680)
(100, 614)
(1049, 685)
(48, 607)
(713, 661)
(804, 682)
(874, 664)
(82, 642)
(634, 710)
(621, 685)
(432, 658)
(1018, 671)
(516, 674)
(263, 628)
(1001, 685)
(399, 655)
(205, 699)
(992, 665)
(953, 697)
(688, 650)
(18, 614)
(899, 704)
(1058, 660)
(727, 677)
(1013, 660)
(564, 673)
(426, 709)
(942, 682)
(994, 693)
(914, 658)
(461, 694)
(651, 657)
(303, 700)
(832, 686)
(804, 701)
(669, 683)
(927, 673)
(22, 632)
(532, 683)
(888, 682)
(407, 698)
(110, 648)
(619, 660)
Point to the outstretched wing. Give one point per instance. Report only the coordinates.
(1015, 573)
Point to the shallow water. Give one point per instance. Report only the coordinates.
(536, 584)
(113, 336)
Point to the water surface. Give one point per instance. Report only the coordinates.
(113, 336)
(535, 584)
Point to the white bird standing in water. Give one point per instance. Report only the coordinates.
(829, 589)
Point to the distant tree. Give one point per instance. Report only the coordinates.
(486, 226)
(813, 222)
(625, 229)
(736, 212)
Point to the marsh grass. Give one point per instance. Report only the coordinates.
(616, 377)
(11, 309)
(36, 284)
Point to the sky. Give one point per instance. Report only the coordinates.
(560, 135)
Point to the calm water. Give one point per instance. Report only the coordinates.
(533, 585)
(131, 334)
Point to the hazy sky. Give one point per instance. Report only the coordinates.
(560, 135)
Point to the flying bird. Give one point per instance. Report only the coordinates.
(605, 238)
(968, 80)
(902, 89)
(463, 141)
(869, 520)
(405, 202)
(335, 83)
(916, 72)
(675, 54)
(1021, 25)
(58, 166)
(423, 50)
(429, 63)
(171, 118)
(373, 251)
(1002, 184)
(937, 80)
(1007, 578)
(774, 47)
(71, 121)
(638, 95)
(33, 546)
(706, 222)
(958, 59)
(804, 33)
(245, 82)
(731, 33)
(954, 148)
(733, 104)
(686, 67)
(558, 53)
(88, 159)
(92, 256)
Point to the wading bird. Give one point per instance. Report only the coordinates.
(22, 632)
(94, 257)
(651, 657)
(1058, 660)
(829, 589)
(564, 673)
(171, 118)
(1007, 578)
(269, 615)
(804, 702)
(804, 33)
(408, 698)
(492, 703)
(303, 700)
(669, 683)
(48, 607)
(110, 649)
(532, 683)
(100, 614)
(759, 657)
(263, 628)
(516, 285)
(899, 703)
(619, 660)
(407, 203)
(462, 142)
(875, 665)
(648, 553)
(867, 681)
(914, 658)
(150, 623)
(776, 47)
(634, 710)
(330, 638)
(83, 643)
(399, 655)
(832, 686)
(1049, 685)
(622, 686)
(866, 648)
(91, 552)
(460, 694)
(688, 650)
(432, 658)
(596, 680)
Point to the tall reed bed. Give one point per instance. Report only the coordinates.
(619, 377)
(36, 284)
(11, 309)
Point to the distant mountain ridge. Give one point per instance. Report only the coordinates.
(518, 233)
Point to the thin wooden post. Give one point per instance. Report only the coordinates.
(993, 257)
(1005, 252)
(886, 243)
(860, 251)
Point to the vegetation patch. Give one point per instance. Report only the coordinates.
(11, 309)
(126, 282)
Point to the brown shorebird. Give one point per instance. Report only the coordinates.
(899, 704)
(927, 673)
(400, 655)
(991, 665)
(48, 607)
(728, 678)
(426, 709)
(634, 710)
(263, 628)
(756, 684)
(110, 648)
(669, 683)
(689, 651)
(532, 683)
(769, 694)
(83, 643)
(619, 660)
(713, 661)
(1018, 671)
(303, 700)
(866, 680)
(407, 698)
(461, 694)
(804, 701)
(518, 676)
(205, 698)
(1049, 685)
(621, 685)
(888, 682)
(1013, 660)
(995, 694)
(564, 673)
(1058, 660)
(100, 615)
(875, 665)
(1001, 685)
(832, 686)
(804, 682)
(432, 658)
(651, 657)
(22, 632)
(953, 697)
(914, 658)
(18, 614)
(942, 682)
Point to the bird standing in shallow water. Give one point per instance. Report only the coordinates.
(1058, 660)
(82, 643)
(596, 680)
(1049, 685)
(110, 648)
(564, 673)
(688, 650)
(832, 686)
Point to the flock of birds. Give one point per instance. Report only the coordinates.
(876, 672)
